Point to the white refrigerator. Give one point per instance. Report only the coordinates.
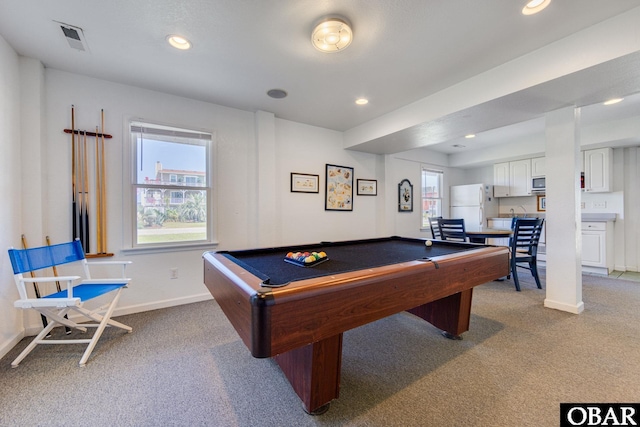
(473, 202)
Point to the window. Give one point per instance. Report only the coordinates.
(177, 198)
(171, 186)
(431, 195)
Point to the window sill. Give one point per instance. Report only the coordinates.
(170, 248)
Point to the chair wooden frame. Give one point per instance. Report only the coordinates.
(58, 306)
(435, 228)
(452, 229)
(524, 248)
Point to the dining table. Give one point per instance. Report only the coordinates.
(481, 235)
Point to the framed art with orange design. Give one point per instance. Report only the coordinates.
(339, 188)
(542, 203)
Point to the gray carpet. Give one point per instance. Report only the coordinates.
(186, 366)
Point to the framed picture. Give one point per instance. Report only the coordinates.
(367, 187)
(304, 183)
(405, 196)
(542, 203)
(339, 188)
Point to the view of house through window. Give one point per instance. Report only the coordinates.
(431, 195)
(171, 183)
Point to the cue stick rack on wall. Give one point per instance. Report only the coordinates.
(88, 186)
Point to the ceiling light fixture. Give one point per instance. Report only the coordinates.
(179, 42)
(362, 101)
(535, 6)
(471, 135)
(612, 101)
(332, 35)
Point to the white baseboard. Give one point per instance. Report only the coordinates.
(570, 308)
(624, 268)
(6, 346)
(34, 330)
(603, 271)
(156, 305)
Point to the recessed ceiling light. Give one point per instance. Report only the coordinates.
(332, 35)
(471, 135)
(535, 6)
(277, 93)
(179, 42)
(362, 101)
(612, 101)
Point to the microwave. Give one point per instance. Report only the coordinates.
(538, 185)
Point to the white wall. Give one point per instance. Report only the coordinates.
(35, 108)
(243, 158)
(10, 170)
(408, 165)
(302, 217)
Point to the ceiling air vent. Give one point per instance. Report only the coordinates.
(74, 36)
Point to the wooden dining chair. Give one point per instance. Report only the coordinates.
(452, 229)
(435, 229)
(523, 248)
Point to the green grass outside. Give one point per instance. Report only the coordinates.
(178, 237)
(169, 224)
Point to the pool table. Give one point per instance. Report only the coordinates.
(298, 314)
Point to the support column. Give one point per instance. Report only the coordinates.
(268, 226)
(563, 214)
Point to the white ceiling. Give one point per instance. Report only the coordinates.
(403, 51)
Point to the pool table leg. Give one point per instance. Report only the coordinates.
(450, 314)
(314, 372)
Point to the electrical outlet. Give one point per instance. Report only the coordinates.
(173, 273)
(582, 205)
(599, 205)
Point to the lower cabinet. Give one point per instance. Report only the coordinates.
(597, 247)
(502, 224)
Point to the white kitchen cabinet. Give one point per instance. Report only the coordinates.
(520, 178)
(538, 167)
(597, 247)
(598, 170)
(512, 179)
(501, 180)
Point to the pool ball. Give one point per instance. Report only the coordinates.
(428, 243)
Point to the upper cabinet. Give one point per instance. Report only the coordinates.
(538, 167)
(512, 179)
(598, 169)
(501, 180)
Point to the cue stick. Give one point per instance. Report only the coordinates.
(55, 273)
(80, 190)
(35, 284)
(103, 188)
(74, 213)
(98, 196)
(86, 195)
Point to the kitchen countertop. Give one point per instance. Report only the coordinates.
(598, 217)
(594, 217)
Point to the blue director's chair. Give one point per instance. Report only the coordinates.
(59, 307)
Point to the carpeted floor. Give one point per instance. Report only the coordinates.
(186, 366)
